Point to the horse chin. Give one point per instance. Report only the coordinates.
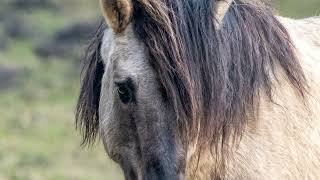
(156, 173)
(152, 173)
(157, 176)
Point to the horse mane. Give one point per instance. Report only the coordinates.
(87, 109)
(212, 75)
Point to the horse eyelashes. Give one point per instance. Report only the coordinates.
(125, 94)
(126, 91)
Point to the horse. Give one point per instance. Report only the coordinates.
(203, 89)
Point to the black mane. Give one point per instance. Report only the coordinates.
(87, 110)
(214, 75)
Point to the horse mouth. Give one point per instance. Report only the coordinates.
(154, 171)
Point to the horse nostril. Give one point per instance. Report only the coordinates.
(132, 175)
(129, 170)
(156, 170)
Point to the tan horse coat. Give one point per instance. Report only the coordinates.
(284, 141)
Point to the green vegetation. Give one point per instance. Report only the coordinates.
(38, 139)
(299, 8)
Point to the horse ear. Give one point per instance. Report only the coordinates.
(117, 13)
(221, 8)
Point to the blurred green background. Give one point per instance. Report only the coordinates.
(41, 45)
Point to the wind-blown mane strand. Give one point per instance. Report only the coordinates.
(87, 115)
(212, 75)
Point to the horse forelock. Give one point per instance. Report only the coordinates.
(87, 109)
(214, 76)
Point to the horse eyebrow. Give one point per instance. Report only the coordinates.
(127, 81)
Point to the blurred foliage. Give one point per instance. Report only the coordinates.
(298, 8)
(38, 139)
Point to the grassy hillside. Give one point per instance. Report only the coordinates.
(39, 84)
(299, 8)
(38, 139)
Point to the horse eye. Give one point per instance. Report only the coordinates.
(125, 93)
